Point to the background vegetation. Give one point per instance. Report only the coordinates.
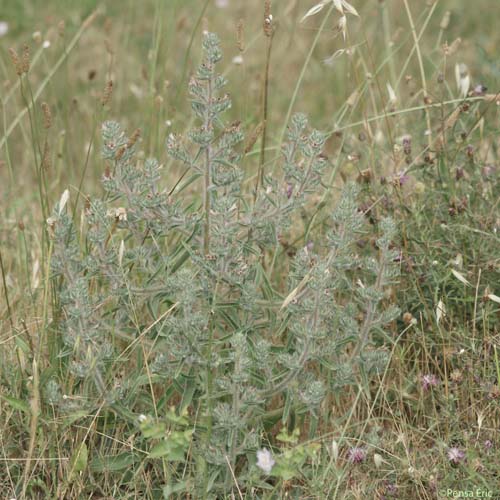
(407, 95)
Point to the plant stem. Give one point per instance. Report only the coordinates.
(208, 180)
(265, 100)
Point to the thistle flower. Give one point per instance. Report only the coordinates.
(455, 455)
(356, 455)
(429, 380)
(265, 460)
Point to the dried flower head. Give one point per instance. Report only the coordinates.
(456, 376)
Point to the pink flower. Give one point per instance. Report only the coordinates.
(455, 455)
(429, 380)
(356, 455)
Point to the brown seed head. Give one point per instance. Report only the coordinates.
(119, 154)
(240, 36)
(109, 47)
(407, 318)
(61, 27)
(25, 63)
(254, 136)
(268, 19)
(108, 92)
(134, 138)
(16, 61)
(46, 162)
(47, 115)
(108, 25)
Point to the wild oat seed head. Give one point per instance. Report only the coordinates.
(446, 20)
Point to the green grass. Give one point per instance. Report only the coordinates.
(446, 209)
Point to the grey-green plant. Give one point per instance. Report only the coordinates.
(184, 282)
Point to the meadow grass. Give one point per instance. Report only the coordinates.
(261, 313)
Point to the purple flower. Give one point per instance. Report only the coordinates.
(265, 460)
(455, 455)
(356, 455)
(488, 171)
(488, 445)
(479, 90)
(429, 380)
(400, 179)
(289, 190)
(391, 489)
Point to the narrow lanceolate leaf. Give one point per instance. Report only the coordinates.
(17, 404)
(79, 460)
(313, 10)
(295, 291)
(460, 277)
(121, 252)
